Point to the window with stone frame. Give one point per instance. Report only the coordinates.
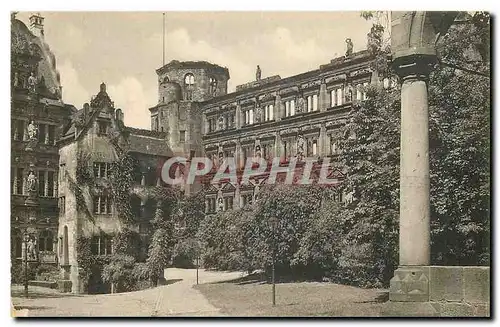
(249, 116)
(102, 169)
(334, 143)
(269, 112)
(51, 134)
(267, 149)
(228, 202)
(46, 241)
(102, 128)
(312, 102)
(188, 86)
(212, 86)
(248, 151)
(289, 107)
(50, 183)
(42, 135)
(246, 199)
(210, 203)
(336, 97)
(230, 122)
(19, 181)
(102, 245)
(311, 146)
(19, 132)
(102, 204)
(62, 205)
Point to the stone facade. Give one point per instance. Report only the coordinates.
(37, 114)
(90, 142)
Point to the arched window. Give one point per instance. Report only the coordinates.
(212, 88)
(188, 86)
(45, 241)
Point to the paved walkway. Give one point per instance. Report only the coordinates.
(178, 298)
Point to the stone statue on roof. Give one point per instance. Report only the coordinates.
(32, 83)
(258, 74)
(349, 47)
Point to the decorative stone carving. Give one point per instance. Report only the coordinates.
(300, 146)
(410, 284)
(258, 152)
(311, 84)
(349, 46)
(220, 203)
(221, 123)
(359, 72)
(31, 249)
(32, 83)
(31, 182)
(289, 90)
(258, 113)
(348, 93)
(301, 105)
(258, 74)
(32, 131)
(16, 79)
(336, 78)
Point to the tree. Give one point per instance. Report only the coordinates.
(460, 146)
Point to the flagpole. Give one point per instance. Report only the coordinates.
(163, 48)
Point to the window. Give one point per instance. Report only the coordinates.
(62, 171)
(315, 147)
(51, 134)
(102, 204)
(269, 112)
(286, 149)
(228, 203)
(182, 136)
(19, 130)
(188, 86)
(267, 150)
(315, 102)
(101, 245)
(246, 199)
(312, 103)
(212, 126)
(102, 169)
(230, 120)
(290, 108)
(364, 93)
(41, 183)
(210, 205)
(42, 136)
(339, 97)
(359, 94)
(62, 205)
(50, 183)
(102, 128)
(19, 181)
(249, 117)
(155, 124)
(46, 241)
(212, 86)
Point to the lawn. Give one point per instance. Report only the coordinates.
(299, 299)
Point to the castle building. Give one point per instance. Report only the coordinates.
(95, 139)
(37, 113)
(269, 118)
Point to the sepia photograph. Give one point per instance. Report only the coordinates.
(332, 164)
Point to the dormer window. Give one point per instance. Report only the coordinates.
(102, 128)
(188, 86)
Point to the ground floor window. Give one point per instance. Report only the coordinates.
(101, 245)
(46, 241)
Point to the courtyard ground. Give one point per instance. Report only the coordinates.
(219, 294)
(243, 297)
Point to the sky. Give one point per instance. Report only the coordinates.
(124, 49)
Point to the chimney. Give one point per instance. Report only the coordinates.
(36, 24)
(86, 111)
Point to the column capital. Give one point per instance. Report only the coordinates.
(414, 66)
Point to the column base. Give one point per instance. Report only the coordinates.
(444, 291)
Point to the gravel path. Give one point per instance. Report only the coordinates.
(178, 298)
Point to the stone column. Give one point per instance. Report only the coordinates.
(323, 97)
(277, 108)
(414, 234)
(238, 116)
(322, 141)
(411, 280)
(277, 145)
